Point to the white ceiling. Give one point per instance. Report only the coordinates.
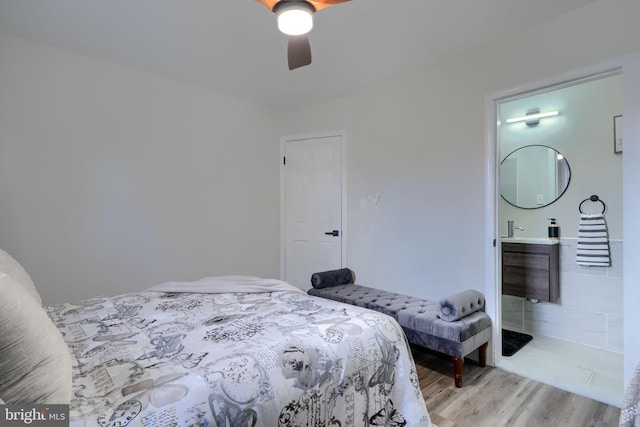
(234, 47)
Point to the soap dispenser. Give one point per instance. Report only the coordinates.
(554, 230)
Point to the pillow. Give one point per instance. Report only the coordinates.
(35, 363)
(459, 305)
(329, 278)
(12, 267)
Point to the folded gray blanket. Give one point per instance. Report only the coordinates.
(329, 278)
(462, 304)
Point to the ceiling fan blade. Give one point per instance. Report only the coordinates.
(299, 51)
(269, 4)
(321, 4)
(317, 4)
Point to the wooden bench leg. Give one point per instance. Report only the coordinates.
(483, 355)
(458, 362)
(457, 370)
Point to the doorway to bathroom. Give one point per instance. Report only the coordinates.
(559, 156)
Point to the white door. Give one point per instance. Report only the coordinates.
(313, 231)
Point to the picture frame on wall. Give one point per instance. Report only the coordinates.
(617, 134)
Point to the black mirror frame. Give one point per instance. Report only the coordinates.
(554, 200)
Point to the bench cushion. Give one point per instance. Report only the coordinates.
(419, 318)
(329, 278)
(462, 304)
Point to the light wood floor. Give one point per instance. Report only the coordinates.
(491, 397)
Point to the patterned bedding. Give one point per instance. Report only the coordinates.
(237, 359)
(630, 413)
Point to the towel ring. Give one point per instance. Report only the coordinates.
(593, 198)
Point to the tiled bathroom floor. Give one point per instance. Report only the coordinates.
(588, 371)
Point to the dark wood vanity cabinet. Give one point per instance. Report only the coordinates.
(531, 270)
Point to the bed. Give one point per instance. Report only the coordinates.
(630, 411)
(231, 351)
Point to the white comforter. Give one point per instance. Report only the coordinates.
(270, 358)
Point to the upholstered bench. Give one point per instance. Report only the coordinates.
(455, 326)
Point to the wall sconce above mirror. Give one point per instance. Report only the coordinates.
(534, 176)
(533, 117)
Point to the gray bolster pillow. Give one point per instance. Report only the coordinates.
(329, 278)
(462, 304)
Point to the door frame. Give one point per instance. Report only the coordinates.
(493, 263)
(343, 188)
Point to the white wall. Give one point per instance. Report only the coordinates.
(112, 180)
(85, 142)
(420, 142)
(583, 133)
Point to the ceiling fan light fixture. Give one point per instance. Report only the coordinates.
(295, 18)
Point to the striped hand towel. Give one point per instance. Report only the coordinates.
(593, 241)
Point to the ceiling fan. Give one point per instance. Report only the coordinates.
(295, 18)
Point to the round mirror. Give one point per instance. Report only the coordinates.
(534, 176)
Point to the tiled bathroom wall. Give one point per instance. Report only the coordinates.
(590, 308)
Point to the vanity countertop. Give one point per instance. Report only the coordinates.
(530, 240)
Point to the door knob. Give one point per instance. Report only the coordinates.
(335, 233)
